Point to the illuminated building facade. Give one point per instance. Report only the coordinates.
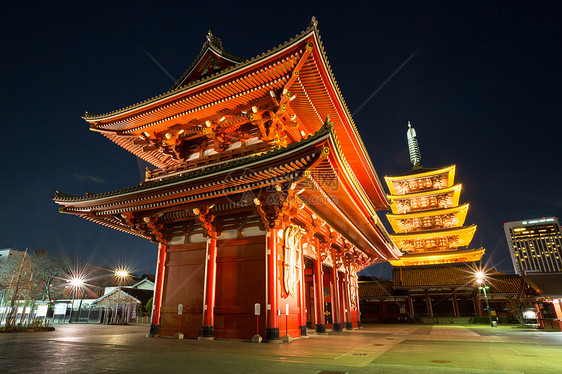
(535, 245)
(426, 216)
(262, 192)
(439, 293)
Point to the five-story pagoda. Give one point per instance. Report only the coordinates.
(426, 216)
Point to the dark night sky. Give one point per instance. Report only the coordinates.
(484, 92)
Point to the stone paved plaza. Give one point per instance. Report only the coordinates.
(373, 349)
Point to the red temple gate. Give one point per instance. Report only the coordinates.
(263, 192)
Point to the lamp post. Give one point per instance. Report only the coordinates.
(80, 305)
(480, 280)
(74, 283)
(120, 274)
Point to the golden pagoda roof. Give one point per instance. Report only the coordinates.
(419, 174)
(465, 235)
(460, 212)
(454, 190)
(434, 258)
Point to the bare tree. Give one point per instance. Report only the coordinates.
(49, 273)
(26, 280)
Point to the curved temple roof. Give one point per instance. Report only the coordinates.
(315, 158)
(464, 235)
(299, 65)
(447, 172)
(444, 257)
(220, 92)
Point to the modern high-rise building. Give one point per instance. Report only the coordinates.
(535, 245)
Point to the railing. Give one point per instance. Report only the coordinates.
(141, 320)
(211, 159)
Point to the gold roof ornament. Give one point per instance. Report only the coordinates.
(413, 147)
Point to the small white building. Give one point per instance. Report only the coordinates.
(119, 306)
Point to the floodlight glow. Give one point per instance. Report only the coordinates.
(76, 282)
(121, 273)
(479, 276)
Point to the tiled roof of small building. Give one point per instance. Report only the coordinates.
(547, 284)
(454, 276)
(375, 288)
(451, 275)
(506, 283)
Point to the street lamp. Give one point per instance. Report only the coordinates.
(120, 274)
(480, 277)
(74, 283)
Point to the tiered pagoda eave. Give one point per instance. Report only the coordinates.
(426, 216)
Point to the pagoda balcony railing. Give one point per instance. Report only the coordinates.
(428, 228)
(439, 248)
(226, 155)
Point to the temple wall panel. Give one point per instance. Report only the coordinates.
(289, 324)
(309, 300)
(354, 314)
(240, 285)
(183, 284)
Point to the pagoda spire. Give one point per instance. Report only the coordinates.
(413, 147)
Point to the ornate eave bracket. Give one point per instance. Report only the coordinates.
(208, 221)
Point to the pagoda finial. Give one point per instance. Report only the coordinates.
(213, 40)
(313, 22)
(413, 147)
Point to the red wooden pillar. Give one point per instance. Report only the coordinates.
(540, 317)
(313, 318)
(557, 308)
(411, 306)
(428, 304)
(319, 292)
(341, 290)
(347, 298)
(336, 310)
(302, 302)
(210, 288)
(356, 285)
(272, 330)
(158, 287)
(477, 304)
(456, 304)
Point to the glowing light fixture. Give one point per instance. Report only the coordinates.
(76, 282)
(121, 273)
